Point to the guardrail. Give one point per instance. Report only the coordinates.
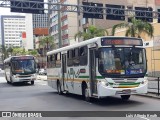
(154, 85)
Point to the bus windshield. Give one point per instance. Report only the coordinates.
(122, 62)
(23, 66)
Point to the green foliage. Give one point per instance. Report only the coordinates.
(33, 52)
(47, 43)
(92, 32)
(4, 52)
(135, 28)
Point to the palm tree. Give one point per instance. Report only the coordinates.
(92, 32)
(135, 28)
(46, 43)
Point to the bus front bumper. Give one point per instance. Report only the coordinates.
(24, 79)
(104, 91)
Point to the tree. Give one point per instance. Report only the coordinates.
(135, 28)
(92, 32)
(10, 50)
(46, 43)
(33, 52)
(4, 52)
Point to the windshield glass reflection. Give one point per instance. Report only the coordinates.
(122, 61)
(23, 66)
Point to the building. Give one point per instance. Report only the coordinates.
(71, 23)
(40, 20)
(63, 25)
(12, 27)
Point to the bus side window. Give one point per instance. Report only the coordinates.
(53, 61)
(83, 55)
(48, 61)
(76, 57)
(58, 60)
(69, 58)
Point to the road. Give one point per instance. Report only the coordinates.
(40, 97)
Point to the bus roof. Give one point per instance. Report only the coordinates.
(83, 43)
(8, 59)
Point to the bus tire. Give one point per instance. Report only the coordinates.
(125, 97)
(59, 88)
(32, 82)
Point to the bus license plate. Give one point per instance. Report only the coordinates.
(128, 91)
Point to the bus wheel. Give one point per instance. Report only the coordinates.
(32, 82)
(125, 97)
(59, 88)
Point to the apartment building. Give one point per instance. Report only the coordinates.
(63, 25)
(105, 23)
(12, 27)
(40, 20)
(72, 22)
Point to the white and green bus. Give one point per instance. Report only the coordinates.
(99, 67)
(20, 69)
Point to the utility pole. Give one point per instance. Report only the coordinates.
(59, 25)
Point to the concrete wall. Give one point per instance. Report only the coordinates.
(29, 32)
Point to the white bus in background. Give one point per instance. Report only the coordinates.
(20, 69)
(99, 67)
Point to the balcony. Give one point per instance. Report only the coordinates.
(64, 27)
(65, 36)
(63, 17)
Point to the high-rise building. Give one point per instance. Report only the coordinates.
(63, 25)
(70, 23)
(11, 30)
(12, 27)
(40, 20)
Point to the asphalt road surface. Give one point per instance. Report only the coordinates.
(40, 97)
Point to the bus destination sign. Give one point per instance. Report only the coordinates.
(121, 41)
(23, 58)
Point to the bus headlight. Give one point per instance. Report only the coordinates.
(34, 76)
(15, 76)
(104, 83)
(144, 81)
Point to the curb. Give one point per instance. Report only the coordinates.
(150, 95)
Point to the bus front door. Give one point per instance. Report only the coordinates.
(92, 69)
(64, 71)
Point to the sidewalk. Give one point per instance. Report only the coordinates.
(151, 95)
